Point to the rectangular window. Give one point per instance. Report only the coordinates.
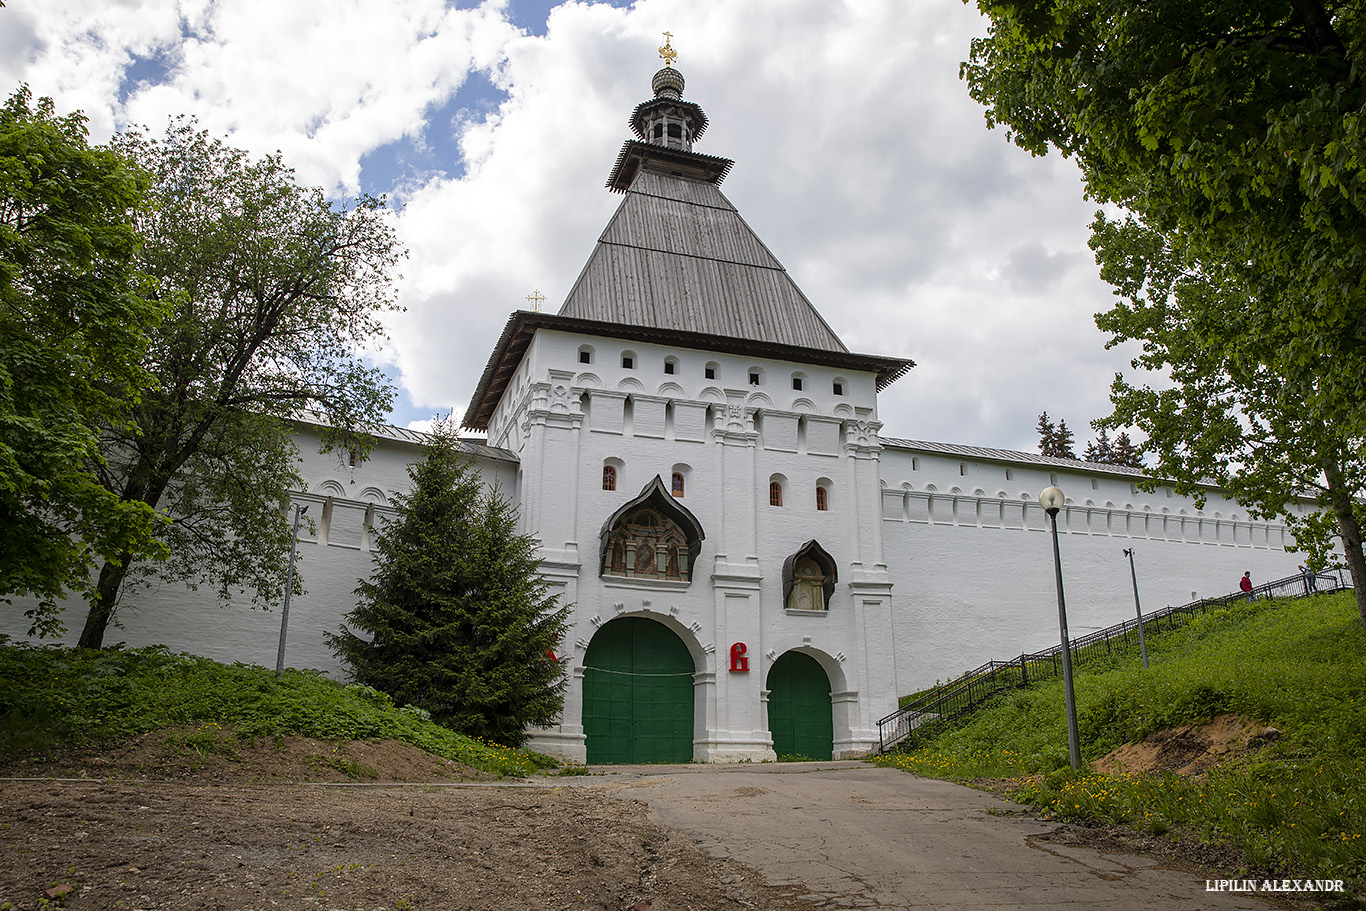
(754, 379)
(711, 373)
(669, 367)
(584, 357)
(628, 363)
(797, 383)
(839, 389)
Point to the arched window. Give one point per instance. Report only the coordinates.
(609, 477)
(678, 484)
(809, 578)
(822, 500)
(775, 493)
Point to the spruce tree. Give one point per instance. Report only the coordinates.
(1055, 441)
(1100, 450)
(1047, 433)
(456, 618)
(1126, 453)
(1062, 442)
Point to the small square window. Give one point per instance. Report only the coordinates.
(711, 373)
(628, 363)
(839, 389)
(669, 367)
(754, 379)
(585, 357)
(797, 383)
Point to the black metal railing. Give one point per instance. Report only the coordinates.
(965, 693)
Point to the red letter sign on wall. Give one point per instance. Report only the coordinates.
(738, 661)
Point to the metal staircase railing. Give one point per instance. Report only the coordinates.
(965, 693)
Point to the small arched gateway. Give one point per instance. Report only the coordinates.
(800, 714)
(637, 694)
(638, 673)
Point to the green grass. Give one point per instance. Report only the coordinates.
(1296, 807)
(53, 698)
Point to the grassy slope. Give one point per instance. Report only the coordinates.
(52, 698)
(1296, 808)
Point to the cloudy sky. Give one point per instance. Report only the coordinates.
(859, 160)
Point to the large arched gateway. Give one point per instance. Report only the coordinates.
(799, 710)
(637, 694)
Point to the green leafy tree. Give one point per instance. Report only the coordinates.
(1228, 413)
(456, 618)
(1234, 134)
(270, 291)
(73, 331)
(1236, 127)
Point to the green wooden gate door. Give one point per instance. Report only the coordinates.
(799, 711)
(637, 694)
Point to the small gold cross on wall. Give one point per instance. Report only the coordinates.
(536, 297)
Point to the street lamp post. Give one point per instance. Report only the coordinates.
(1052, 500)
(289, 587)
(1143, 646)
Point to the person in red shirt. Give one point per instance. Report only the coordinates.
(1246, 584)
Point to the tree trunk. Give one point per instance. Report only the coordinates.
(102, 606)
(1350, 529)
(148, 486)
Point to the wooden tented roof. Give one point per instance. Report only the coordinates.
(678, 256)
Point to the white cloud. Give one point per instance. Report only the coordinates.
(860, 161)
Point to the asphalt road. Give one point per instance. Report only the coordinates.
(858, 836)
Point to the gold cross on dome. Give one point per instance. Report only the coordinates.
(667, 51)
(536, 297)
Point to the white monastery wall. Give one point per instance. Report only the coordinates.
(345, 504)
(972, 556)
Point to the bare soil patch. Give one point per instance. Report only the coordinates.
(1189, 749)
(297, 823)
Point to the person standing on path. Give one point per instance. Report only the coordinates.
(1311, 582)
(1246, 585)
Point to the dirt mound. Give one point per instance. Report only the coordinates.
(1189, 749)
(210, 753)
(193, 818)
